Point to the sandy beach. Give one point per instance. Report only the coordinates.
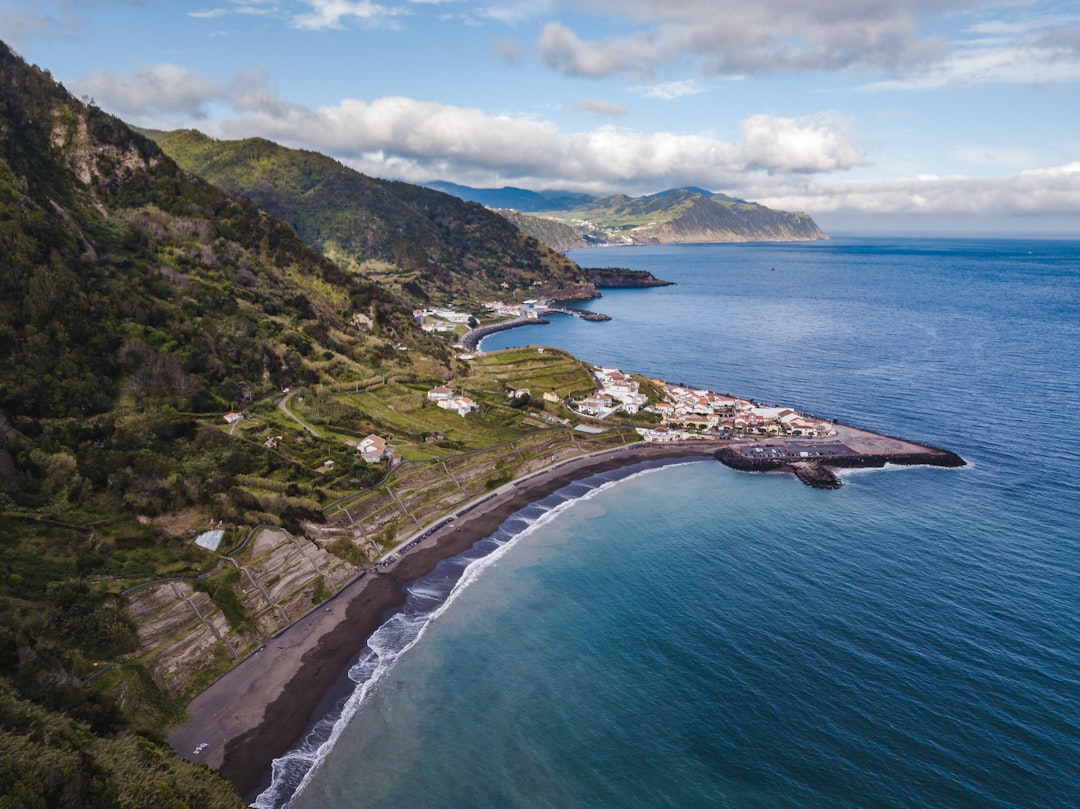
(262, 707)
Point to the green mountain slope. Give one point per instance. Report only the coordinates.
(430, 246)
(139, 304)
(551, 232)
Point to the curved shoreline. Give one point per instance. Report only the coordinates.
(471, 340)
(260, 709)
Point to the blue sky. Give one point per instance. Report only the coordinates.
(921, 115)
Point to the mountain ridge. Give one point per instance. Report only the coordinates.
(432, 247)
(673, 216)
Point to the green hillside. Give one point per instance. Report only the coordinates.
(560, 235)
(429, 246)
(174, 357)
(681, 215)
(138, 305)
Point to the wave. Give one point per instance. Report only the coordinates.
(426, 599)
(896, 467)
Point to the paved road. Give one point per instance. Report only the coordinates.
(283, 405)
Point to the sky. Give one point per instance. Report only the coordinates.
(922, 116)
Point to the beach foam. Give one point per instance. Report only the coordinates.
(427, 598)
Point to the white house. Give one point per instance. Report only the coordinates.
(462, 405)
(372, 449)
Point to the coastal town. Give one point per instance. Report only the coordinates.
(693, 414)
(685, 413)
(511, 427)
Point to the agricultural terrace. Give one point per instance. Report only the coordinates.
(399, 410)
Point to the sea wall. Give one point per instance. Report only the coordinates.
(470, 340)
(818, 472)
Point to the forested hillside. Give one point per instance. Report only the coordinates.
(138, 305)
(430, 246)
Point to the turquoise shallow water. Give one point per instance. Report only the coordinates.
(693, 636)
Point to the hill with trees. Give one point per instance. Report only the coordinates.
(138, 305)
(173, 357)
(432, 247)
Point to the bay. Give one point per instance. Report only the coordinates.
(693, 636)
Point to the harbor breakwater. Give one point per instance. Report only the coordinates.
(819, 471)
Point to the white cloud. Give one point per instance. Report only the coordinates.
(421, 136)
(418, 140)
(907, 41)
(514, 13)
(671, 90)
(1045, 191)
(599, 107)
(784, 145)
(161, 88)
(733, 37)
(562, 50)
(1015, 64)
(331, 14)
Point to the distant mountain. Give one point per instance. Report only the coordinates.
(675, 216)
(517, 199)
(429, 246)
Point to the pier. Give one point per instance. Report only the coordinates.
(584, 314)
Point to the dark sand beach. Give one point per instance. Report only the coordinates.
(261, 708)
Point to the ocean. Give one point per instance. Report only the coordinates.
(689, 636)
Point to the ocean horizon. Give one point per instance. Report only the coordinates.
(687, 635)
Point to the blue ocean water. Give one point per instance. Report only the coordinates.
(690, 636)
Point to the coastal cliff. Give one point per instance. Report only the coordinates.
(620, 278)
(676, 216)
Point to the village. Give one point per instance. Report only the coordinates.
(678, 413)
(690, 413)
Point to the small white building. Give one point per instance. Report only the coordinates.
(372, 449)
(462, 405)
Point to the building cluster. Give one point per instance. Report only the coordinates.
(689, 413)
(531, 309)
(689, 410)
(439, 319)
(445, 398)
(615, 391)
